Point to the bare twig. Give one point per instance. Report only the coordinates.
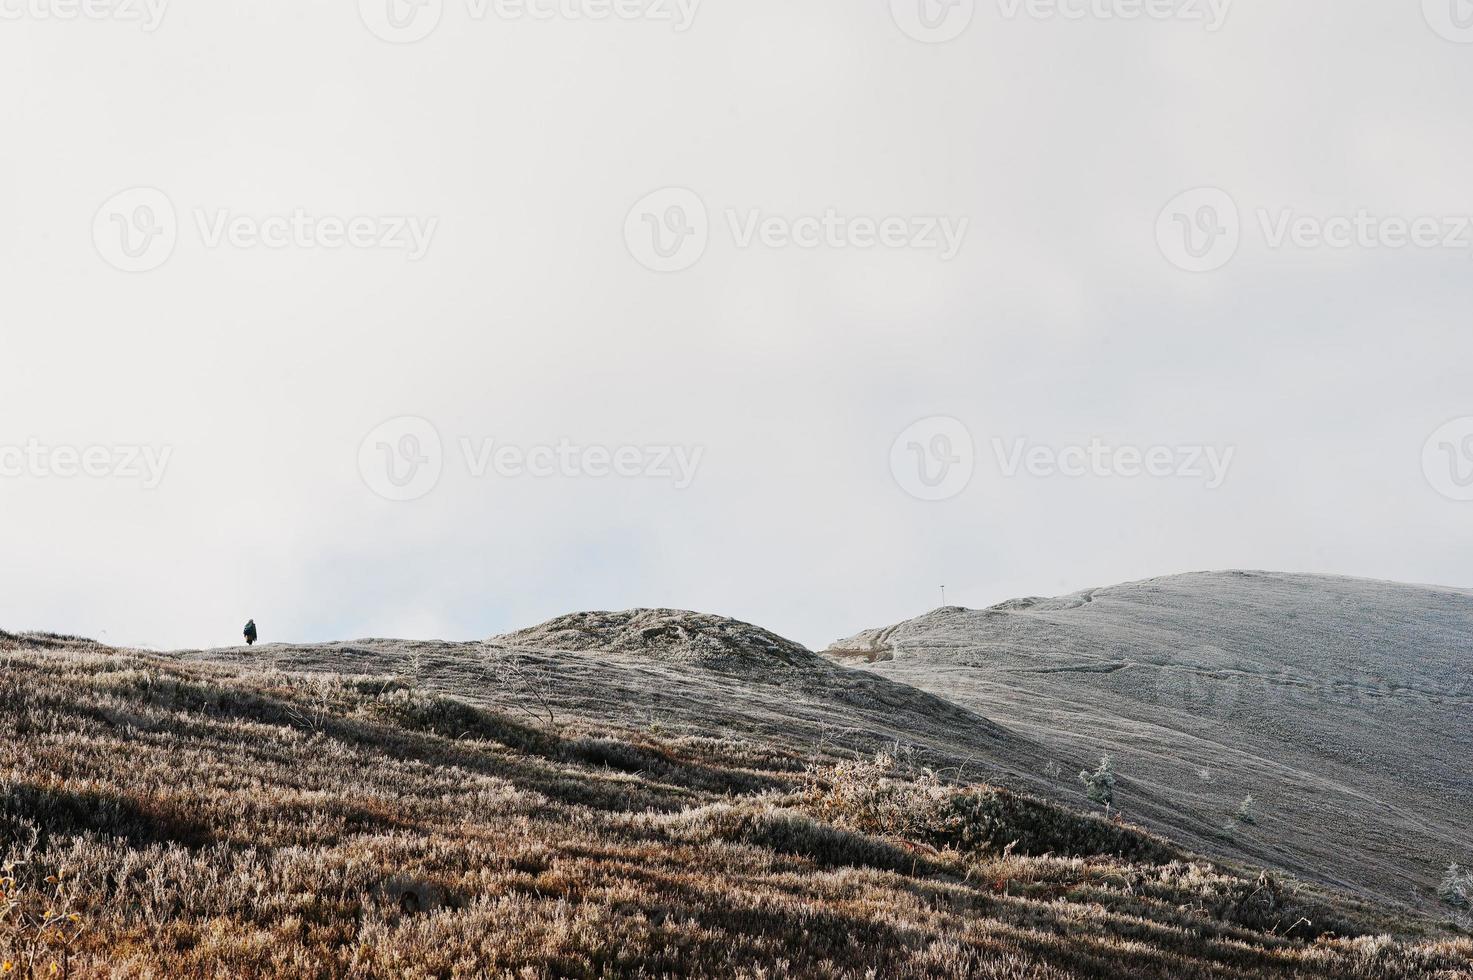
(528, 690)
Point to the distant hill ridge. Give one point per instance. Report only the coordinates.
(1342, 707)
(671, 635)
(1333, 702)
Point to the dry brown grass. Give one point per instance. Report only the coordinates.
(158, 820)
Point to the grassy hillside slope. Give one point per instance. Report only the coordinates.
(167, 817)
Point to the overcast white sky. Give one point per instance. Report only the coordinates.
(264, 381)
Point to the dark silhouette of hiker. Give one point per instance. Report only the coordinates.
(250, 632)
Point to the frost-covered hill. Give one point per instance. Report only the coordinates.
(664, 793)
(681, 672)
(672, 635)
(166, 816)
(1343, 707)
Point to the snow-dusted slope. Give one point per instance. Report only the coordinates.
(684, 672)
(1343, 707)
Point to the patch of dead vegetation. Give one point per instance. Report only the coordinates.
(163, 820)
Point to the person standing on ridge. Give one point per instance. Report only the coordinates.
(250, 632)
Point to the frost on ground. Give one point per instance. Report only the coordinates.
(1343, 707)
(664, 794)
(668, 635)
